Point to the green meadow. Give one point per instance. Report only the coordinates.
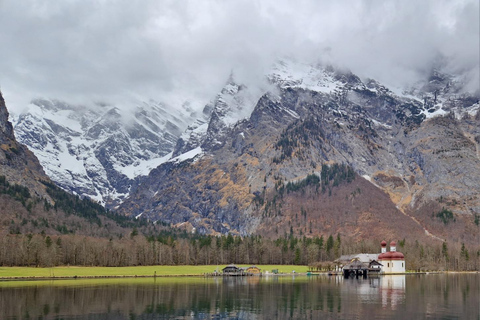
(139, 271)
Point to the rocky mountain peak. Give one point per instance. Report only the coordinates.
(5, 126)
(229, 170)
(405, 151)
(233, 103)
(17, 164)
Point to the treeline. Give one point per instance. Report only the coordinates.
(62, 213)
(84, 207)
(68, 203)
(75, 231)
(185, 249)
(299, 133)
(330, 176)
(17, 192)
(163, 249)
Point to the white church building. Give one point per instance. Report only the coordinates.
(389, 262)
(392, 261)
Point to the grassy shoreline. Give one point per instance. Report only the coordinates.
(75, 272)
(24, 273)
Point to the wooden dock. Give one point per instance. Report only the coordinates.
(231, 274)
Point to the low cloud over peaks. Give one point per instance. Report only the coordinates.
(170, 50)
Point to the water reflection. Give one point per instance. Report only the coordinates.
(392, 289)
(273, 297)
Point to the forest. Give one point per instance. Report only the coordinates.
(79, 232)
(175, 248)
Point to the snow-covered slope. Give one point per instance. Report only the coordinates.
(234, 103)
(103, 152)
(100, 151)
(344, 94)
(310, 117)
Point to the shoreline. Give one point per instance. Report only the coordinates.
(76, 277)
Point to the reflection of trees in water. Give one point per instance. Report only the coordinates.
(270, 298)
(244, 297)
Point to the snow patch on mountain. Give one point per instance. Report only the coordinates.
(188, 155)
(98, 151)
(288, 73)
(141, 167)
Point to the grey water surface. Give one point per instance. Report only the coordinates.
(426, 296)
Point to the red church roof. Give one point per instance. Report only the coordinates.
(391, 256)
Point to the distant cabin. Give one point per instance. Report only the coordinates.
(232, 269)
(253, 270)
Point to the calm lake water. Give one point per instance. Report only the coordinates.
(434, 296)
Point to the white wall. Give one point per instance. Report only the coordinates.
(393, 266)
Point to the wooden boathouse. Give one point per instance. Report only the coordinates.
(233, 270)
(357, 268)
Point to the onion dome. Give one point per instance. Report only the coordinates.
(397, 256)
(385, 256)
(393, 244)
(384, 243)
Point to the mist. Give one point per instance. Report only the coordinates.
(118, 52)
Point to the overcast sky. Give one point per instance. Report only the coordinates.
(110, 51)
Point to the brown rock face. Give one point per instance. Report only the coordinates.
(18, 164)
(414, 166)
(6, 129)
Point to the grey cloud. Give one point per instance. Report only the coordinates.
(174, 50)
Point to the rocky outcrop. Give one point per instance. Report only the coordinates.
(17, 164)
(6, 128)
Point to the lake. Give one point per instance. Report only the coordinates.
(428, 296)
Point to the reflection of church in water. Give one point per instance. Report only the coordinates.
(387, 290)
(391, 288)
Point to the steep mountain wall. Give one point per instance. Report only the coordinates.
(100, 151)
(415, 155)
(18, 164)
(421, 154)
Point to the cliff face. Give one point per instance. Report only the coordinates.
(6, 129)
(100, 151)
(18, 164)
(420, 149)
(248, 164)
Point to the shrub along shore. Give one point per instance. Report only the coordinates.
(11, 273)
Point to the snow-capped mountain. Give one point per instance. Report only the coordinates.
(100, 151)
(234, 103)
(415, 146)
(104, 152)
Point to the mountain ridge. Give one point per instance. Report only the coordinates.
(248, 140)
(295, 130)
(101, 152)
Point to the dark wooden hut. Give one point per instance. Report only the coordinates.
(232, 269)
